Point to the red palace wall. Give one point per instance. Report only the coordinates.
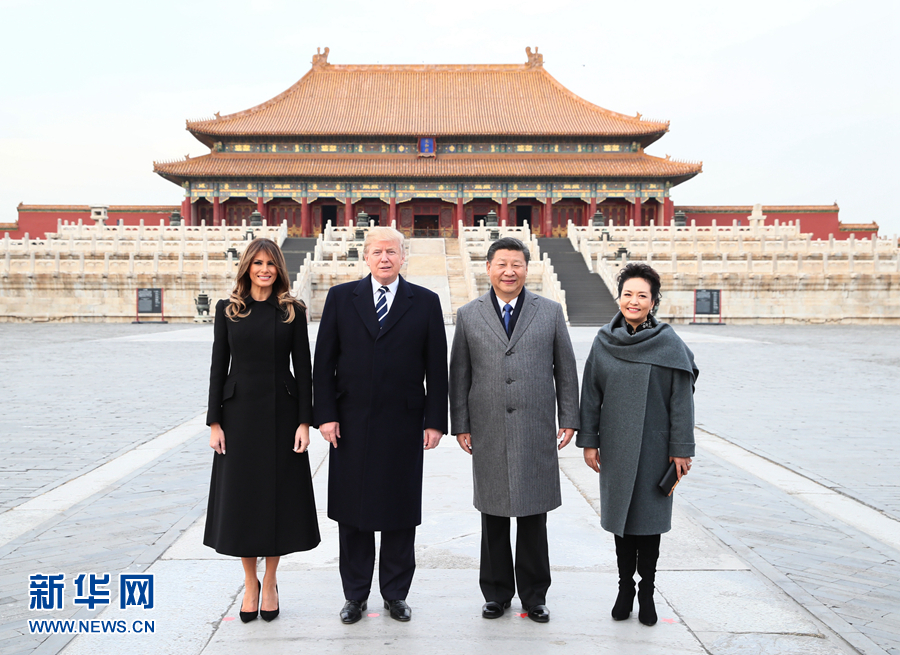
(37, 220)
(821, 221)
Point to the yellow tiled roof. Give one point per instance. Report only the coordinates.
(428, 100)
(633, 165)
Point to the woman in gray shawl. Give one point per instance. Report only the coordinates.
(637, 416)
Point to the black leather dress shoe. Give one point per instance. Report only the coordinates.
(352, 611)
(399, 609)
(538, 613)
(493, 609)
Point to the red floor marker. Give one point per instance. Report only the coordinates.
(373, 614)
(228, 618)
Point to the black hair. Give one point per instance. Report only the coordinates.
(645, 272)
(508, 243)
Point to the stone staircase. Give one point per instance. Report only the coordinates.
(459, 294)
(295, 251)
(588, 301)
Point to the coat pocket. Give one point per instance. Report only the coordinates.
(291, 388)
(228, 392)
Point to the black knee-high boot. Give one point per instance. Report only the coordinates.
(647, 556)
(626, 559)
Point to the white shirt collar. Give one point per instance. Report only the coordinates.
(512, 303)
(392, 287)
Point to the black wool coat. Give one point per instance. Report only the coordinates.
(261, 500)
(370, 380)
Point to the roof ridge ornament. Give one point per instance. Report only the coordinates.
(320, 59)
(535, 59)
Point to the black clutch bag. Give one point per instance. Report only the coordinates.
(669, 480)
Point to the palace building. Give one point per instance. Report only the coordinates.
(428, 146)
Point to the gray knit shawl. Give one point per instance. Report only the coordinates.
(658, 345)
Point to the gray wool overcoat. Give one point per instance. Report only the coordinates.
(506, 392)
(637, 407)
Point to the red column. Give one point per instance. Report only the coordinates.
(504, 211)
(305, 226)
(548, 218)
(348, 212)
(592, 211)
(392, 212)
(460, 212)
(186, 211)
(637, 211)
(217, 211)
(261, 206)
(669, 210)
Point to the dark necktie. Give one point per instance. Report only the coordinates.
(381, 305)
(507, 314)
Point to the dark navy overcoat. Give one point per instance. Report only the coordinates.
(384, 385)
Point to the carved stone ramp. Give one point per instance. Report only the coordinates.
(588, 301)
(426, 265)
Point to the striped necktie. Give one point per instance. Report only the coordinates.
(381, 307)
(507, 314)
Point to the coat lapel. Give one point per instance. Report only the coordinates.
(529, 310)
(401, 303)
(364, 301)
(490, 317)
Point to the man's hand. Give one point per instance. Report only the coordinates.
(301, 438)
(592, 458)
(682, 465)
(464, 439)
(432, 438)
(565, 434)
(217, 438)
(331, 432)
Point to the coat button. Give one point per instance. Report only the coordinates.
(510, 410)
(509, 352)
(509, 380)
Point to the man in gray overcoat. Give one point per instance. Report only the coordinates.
(511, 367)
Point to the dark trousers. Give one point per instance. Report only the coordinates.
(396, 564)
(499, 577)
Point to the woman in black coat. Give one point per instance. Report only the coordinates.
(261, 500)
(637, 417)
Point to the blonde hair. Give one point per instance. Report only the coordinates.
(237, 308)
(383, 234)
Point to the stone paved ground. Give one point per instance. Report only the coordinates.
(815, 399)
(72, 398)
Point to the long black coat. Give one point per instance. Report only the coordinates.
(261, 500)
(370, 380)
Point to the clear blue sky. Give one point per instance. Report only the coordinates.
(785, 102)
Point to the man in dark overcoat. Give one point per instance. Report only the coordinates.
(512, 374)
(380, 387)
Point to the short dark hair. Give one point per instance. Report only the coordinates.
(645, 272)
(508, 243)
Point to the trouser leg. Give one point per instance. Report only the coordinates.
(532, 559)
(397, 563)
(496, 575)
(357, 561)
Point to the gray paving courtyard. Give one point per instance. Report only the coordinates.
(785, 541)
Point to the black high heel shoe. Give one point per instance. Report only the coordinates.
(246, 617)
(268, 615)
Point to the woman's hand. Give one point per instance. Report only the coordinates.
(464, 439)
(682, 465)
(301, 438)
(592, 458)
(217, 438)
